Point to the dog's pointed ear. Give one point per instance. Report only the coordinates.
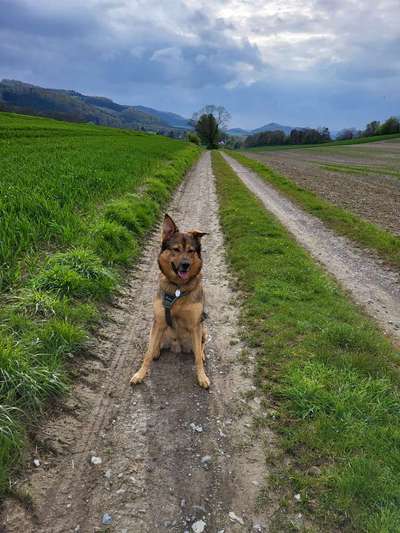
(168, 229)
(197, 234)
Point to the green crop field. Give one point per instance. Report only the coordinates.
(54, 177)
(75, 201)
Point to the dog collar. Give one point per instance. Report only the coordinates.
(168, 302)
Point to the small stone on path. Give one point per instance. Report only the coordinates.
(199, 526)
(235, 518)
(106, 519)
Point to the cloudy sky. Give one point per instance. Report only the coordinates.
(298, 62)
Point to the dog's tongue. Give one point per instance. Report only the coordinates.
(183, 275)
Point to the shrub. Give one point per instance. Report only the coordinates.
(24, 380)
(167, 176)
(11, 439)
(42, 305)
(132, 212)
(113, 243)
(157, 190)
(77, 273)
(193, 138)
(58, 337)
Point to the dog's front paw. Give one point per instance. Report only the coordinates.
(203, 380)
(138, 377)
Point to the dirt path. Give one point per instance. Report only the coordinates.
(171, 453)
(371, 284)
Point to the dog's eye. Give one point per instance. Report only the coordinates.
(175, 249)
(191, 251)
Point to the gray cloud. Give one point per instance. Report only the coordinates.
(300, 62)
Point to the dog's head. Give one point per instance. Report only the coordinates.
(180, 256)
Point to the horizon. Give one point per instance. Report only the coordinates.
(302, 64)
(230, 126)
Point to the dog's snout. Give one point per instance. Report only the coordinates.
(184, 266)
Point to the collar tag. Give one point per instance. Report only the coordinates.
(177, 293)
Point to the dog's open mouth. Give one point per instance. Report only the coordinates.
(183, 274)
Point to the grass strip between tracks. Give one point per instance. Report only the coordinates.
(48, 319)
(343, 222)
(330, 375)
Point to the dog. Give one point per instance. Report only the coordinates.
(179, 303)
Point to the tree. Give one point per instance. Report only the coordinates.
(372, 128)
(207, 129)
(325, 134)
(391, 125)
(345, 135)
(221, 115)
(296, 137)
(210, 123)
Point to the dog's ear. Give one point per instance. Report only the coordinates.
(197, 234)
(168, 229)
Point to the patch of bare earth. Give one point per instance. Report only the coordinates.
(372, 285)
(373, 195)
(169, 455)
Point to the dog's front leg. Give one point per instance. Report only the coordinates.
(156, 334)
(197, 339)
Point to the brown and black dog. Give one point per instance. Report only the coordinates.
(179, 303)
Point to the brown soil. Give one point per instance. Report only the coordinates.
(151, 439)
(372, 285)
(374, 196)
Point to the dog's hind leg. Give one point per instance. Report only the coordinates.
(156, 334)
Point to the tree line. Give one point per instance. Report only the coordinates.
(389, 126)
(296, 136)
(209, 125)
(320, 135)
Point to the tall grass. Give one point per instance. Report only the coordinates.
(55, 176)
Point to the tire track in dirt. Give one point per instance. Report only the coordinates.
(171, 452)
(370, 283)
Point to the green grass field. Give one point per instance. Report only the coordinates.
(344, 222)
(361, 140)
(326, 370)
(55, 176)
(75, 202)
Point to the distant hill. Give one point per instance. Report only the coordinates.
(239, 132)
(272, 126)
(23, 97)
(172, 119)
